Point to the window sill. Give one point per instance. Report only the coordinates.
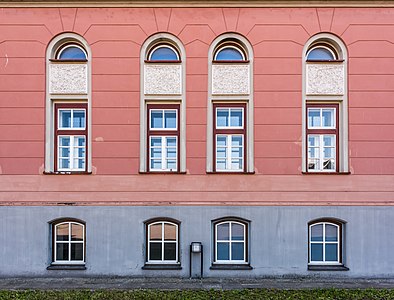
(69, 60)
(230, 173)
(162, 267)
(327, 268)
(67, 267)
(162, 61)
(325, 61)
(160, 173)
(326, 173)
(230, 267)
(230, 61)
(67, 173)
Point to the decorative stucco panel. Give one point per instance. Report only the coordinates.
(68, 79)
(163, 80)
(230, 79)
(325, 79)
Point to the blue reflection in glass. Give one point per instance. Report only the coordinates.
(170, 119)
(237, 251)
(229, 53)
(156, 119)
(164, 53)
(223, 251)
(317, 252)
(236, 118)
(222, 116)
(73, 53)
(320, 54)
(331, 252)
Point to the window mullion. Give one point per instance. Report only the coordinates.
(69, 241)
(324, 242)
(230, 241)
(162, 241)
(163, 152)
(228, 152)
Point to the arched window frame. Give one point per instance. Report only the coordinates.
(161, 100)
(151, 262)
(157, 47)
(339, 224)
(231, 220)
(73, 99)
(69, 221)
(65, 46)
(339, 48)
(326, 46)
(232, 45)
(230, 100)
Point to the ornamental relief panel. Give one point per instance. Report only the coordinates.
(68, 79)
(230, 79)
(162, 79)
(325, 79)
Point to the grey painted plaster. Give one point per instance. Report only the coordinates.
(115, 239)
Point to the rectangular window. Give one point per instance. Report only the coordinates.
(70, 137)
(163, 138)
(322, 138)
(229, 137)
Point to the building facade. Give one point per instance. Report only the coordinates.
(263, 130)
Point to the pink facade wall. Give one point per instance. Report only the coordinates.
(277, 35)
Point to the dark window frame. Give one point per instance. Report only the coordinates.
(232, 131)
(175, 133)
(230, 43)
(82, 132)
(321, 131)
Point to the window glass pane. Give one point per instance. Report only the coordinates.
(229, 53)
(329, 152)
(155, 141)
(171, 142)
(155, 164)
(79, 141)
(237, 141)
(65, 118)
(155, 251)
(237, 251)
(313, 152)
(77, 251)
(236, 153)
(170, 119)
(317, 252)
(221, 165)
(328, 117)
(80, 163)
(79, 119)
(64, 152)
(221, 152)
(329, 164)
(313, 118)
(237, 232)
(313, 141)
(320, 54)
(221, 140)
(76, 232)
(72, 52)
(155, 232)
(328, 141)
(313, 164)
(62, 232)
(236, 164)
(62, 251)
(223, 251)
(222, 117)
(169, 232)
(171, 165)
(64, 141)
(163, 53)
(317, 233)
(236, 117)
(223, 232)
(331, 252)
(171, 152)
(331, 233)
(169, 251)
(156, 120)
(64, 163)
(155, 153)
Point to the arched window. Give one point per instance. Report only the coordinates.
(162, 242)
(68, 242)
(230, 105)
(229, 52)
(325, 138)
(321, 52)
(325, 242)
(230, 241)
(71, 52)
(163, 105)
(68, 109)
(163, 52)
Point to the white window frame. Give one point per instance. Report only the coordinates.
(163, 261)
(72, 117)
(229, 157)
(229, 115)
(321, 153)
(321, 117)
(324, 242)
(69, 46)
(334, 55)
(232, 47)
(163, 46)
(163, 153)
(69, 242)
(71, 157)
(230, 241)
(163, 125)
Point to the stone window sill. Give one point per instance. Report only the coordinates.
(162, 267)
(327, 268)
(67, 267)
(230, 267)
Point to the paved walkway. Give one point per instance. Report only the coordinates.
(128, 283)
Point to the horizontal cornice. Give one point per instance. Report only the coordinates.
(195, 3)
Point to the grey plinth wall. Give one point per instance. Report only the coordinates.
(115, 240)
